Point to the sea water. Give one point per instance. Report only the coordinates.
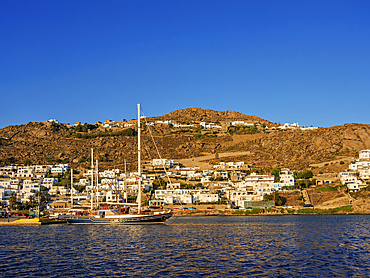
(229, 246)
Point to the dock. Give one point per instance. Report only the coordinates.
(30, 221)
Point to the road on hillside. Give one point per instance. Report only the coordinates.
(197, 161)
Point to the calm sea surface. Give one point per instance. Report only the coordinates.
(253, 246)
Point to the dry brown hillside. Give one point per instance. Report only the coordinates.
(199, 115)
(50, 143)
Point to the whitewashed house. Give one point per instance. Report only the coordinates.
(253, 179)
(49, 182)
(364, 154)
(347, 177)
(59, 169)
(287, 177)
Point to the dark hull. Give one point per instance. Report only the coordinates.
(148, 219)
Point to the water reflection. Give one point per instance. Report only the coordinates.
(266, 246)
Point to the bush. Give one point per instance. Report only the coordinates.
(254, 211)
(328, 189)
(307, 211)
(305, 175)
(238, 212)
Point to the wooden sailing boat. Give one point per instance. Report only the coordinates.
(114, 216)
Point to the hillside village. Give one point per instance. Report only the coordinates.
(221, 160)
(168, 183)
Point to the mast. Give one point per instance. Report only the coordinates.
(124, 185)
(97, 183)
(138, 161)
(71, 188)
(92, 179)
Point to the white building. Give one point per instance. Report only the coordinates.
(161, 162)
(42, 168)
(358, 165)
(238, 196)
(347, 177)
(364, 174)
(241, 123)
(209, 125)
(254, 178)
(59, 169)
(364, 154)
(289, 126)
(185, 196)
(5, 184)
(49, 182)
(287, 177)
(114, 197)
(25, 172)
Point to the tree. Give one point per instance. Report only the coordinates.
(27, 162)
(305, 175)
(278, 199)
(12, 199)
(276, 172)
(31, 203)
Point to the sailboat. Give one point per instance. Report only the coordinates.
(115, 216)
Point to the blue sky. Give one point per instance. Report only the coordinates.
(284, 61)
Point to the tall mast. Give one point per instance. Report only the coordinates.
(71, 188)
(92, 179)
(124, 185)
(138, 160)
(96, 183)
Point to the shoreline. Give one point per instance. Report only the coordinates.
(264, 214)
(343, 210)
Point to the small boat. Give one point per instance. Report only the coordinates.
(115, 216)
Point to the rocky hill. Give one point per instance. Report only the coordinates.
(49, 143)
(199, 115)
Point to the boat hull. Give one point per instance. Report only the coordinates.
(135, 219)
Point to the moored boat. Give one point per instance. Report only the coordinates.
(116, 216)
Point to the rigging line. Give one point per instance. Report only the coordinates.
(150, 158)
(110, 183)
(164, 168)
(155, 145)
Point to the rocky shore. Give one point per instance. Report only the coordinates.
(349, 209)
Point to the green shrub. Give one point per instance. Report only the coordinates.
(328, 189)
(238, 212)
(271, 210)
(306, 211)
(254, 211)
(305, 175)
